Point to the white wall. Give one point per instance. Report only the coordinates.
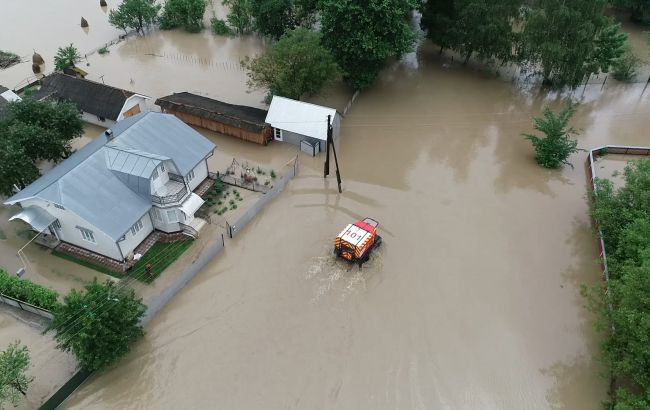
(93, 119)
(163, 177)
(131, 102)
(103, 245)
(131, 241)
(200, 173)
(163, 224)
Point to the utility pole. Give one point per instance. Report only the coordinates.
(330, 143)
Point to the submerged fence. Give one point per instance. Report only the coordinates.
(278, 187)
(26, 306)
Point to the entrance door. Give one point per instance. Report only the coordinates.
(277, 134)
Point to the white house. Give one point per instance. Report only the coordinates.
(135, 177)
(98, 103)
(6, 96)
(302, 124)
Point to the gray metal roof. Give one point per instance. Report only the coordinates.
(100, 190)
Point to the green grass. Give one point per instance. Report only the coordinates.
(88, 264)
(160, 256)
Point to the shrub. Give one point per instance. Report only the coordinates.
(103, 50)
(26, 291)
(553, 150)
(219, 27)
(273, 175)
(626, 66)
(183, 13)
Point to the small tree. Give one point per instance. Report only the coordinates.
(14, 362)
(556, 146)
(66, 57)
(626, 66)
(98, 325)
(295, 65)
(134, 14)
(183, 13)
(240, 17)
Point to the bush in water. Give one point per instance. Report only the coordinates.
(27, 291)
(553, 150)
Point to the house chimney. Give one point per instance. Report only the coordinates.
(109, 134)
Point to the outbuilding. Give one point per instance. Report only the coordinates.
(302, 124)
(238, 121)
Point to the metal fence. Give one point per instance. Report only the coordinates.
(251, 186)
(278, 187)
(26, 306)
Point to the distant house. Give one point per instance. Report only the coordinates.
(302, 124)
(135, 178)
(239, 121)
(99, 104)
(6, 96)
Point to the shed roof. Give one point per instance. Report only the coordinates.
(300, 117)
(240, 116)
(87, 184)
(89, 96)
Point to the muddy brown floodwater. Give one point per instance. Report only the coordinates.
(472, 302)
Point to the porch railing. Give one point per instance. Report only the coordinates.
(169, 199)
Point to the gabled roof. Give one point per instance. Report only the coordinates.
(300, 117)
(240, 116)
(89, 96)
(89, 184)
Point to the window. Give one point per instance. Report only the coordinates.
(102, 119)
(156, 214)
(172, 216)
(136, 227)
(190, 176)
(278, 134)
(86, 234)
(56, 224)
(59, 206)
(155, 174)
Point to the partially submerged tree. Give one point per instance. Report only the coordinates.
(14, 362)
(273, 18)
(570, 40)
(66, 57)
(98, 325)
(134, 14)
(34, 131)
(626, 67)
(364, 34)
(554, 148)
(187, 14)
(295, 65)
(240, 16)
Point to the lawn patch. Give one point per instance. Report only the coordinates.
(160, 256)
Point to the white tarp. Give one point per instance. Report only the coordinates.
(300, 117)
(38, 218)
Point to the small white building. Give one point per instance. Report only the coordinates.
(302, 124)
(134, 178)
(98, 103)
(7, 96)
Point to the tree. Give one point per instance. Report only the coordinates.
(570, 40)
(14, 362)
(625, 67)
(363, 34)
(240, 16)
(66, 57)
(183, 13)
(98, 325)
(273, 17)
(553, 150)
(295, 65)
(640, 9)
(134, 14)
(439, 20)
(34, 131)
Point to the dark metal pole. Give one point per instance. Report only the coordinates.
(326, 169)
(330, 140)
(646, 86)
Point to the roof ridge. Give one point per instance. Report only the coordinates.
(95, 82)
(302, 102)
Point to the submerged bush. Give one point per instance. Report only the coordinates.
(553, 150)
(626, 66)
(220, 27)
(27, 291)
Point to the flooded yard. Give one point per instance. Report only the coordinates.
(473, 300)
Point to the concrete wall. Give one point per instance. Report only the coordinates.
(131, 241)
(103, 245)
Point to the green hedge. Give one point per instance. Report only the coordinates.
(27, 291)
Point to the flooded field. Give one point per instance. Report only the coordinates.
(472, 301)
